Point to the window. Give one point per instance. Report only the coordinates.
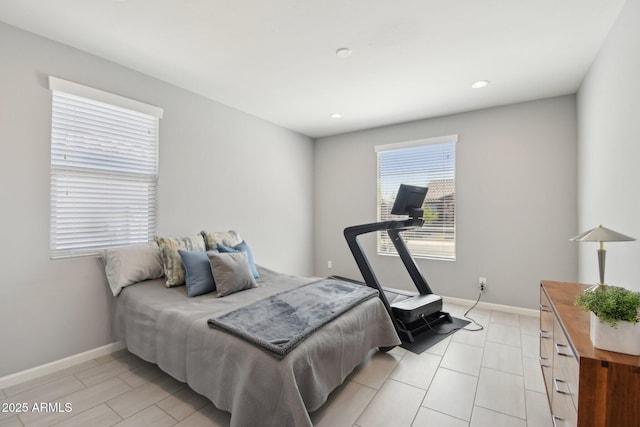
(431, 163)
(104, 170)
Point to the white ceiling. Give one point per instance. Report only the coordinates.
(275, 59)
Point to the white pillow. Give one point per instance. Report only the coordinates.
(127, 265)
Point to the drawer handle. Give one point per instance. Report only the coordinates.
(544, 336)
(557, 386)
(555, 418)
(560, 353)
(543, 362)
(545, 308)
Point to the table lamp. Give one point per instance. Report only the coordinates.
(601, 234)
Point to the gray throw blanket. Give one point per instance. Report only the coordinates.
(280, 322)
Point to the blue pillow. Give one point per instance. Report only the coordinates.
(241, 247)
(198, 277)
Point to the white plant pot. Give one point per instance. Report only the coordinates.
(624, 338)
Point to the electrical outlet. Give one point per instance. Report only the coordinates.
(482, 283)
(329, 264)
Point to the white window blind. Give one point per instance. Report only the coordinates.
(104, 173)
(426, 163)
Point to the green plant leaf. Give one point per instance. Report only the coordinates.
(612, 304)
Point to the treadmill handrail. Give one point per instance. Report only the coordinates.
(406, 224)
(393, 228)
(408, 261)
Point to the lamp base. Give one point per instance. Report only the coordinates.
(595, 287)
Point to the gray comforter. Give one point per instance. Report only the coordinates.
(163, 326)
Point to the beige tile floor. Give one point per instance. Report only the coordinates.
(470, 379)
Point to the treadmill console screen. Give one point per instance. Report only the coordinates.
(409, 199)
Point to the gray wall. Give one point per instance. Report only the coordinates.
(219, 169)
(516, 200)
(609, 151)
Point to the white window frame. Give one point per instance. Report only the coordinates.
(104, 170)
(401, 163)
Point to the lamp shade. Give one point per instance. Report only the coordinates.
(601, 234)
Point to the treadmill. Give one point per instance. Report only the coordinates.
(411, 314)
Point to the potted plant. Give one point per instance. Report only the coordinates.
(615, 312)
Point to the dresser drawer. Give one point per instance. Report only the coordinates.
(567, 362)
(546, 343)
(546, 314)
(571, 372)
(563, 409)
(564, 414)
(546, 333)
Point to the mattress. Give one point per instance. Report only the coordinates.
(162, 325)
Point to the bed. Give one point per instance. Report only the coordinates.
(162, 325)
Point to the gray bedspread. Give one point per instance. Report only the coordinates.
(163, 326)
(280, 322)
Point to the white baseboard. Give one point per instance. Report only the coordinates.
(48, 368)
(492, 306)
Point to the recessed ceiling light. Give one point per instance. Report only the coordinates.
(480, 84)
(335, 115)
(343, 52)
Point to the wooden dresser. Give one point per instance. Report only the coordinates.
(585, 386)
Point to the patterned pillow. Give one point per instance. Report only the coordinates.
(227, 238)
(171, 260)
